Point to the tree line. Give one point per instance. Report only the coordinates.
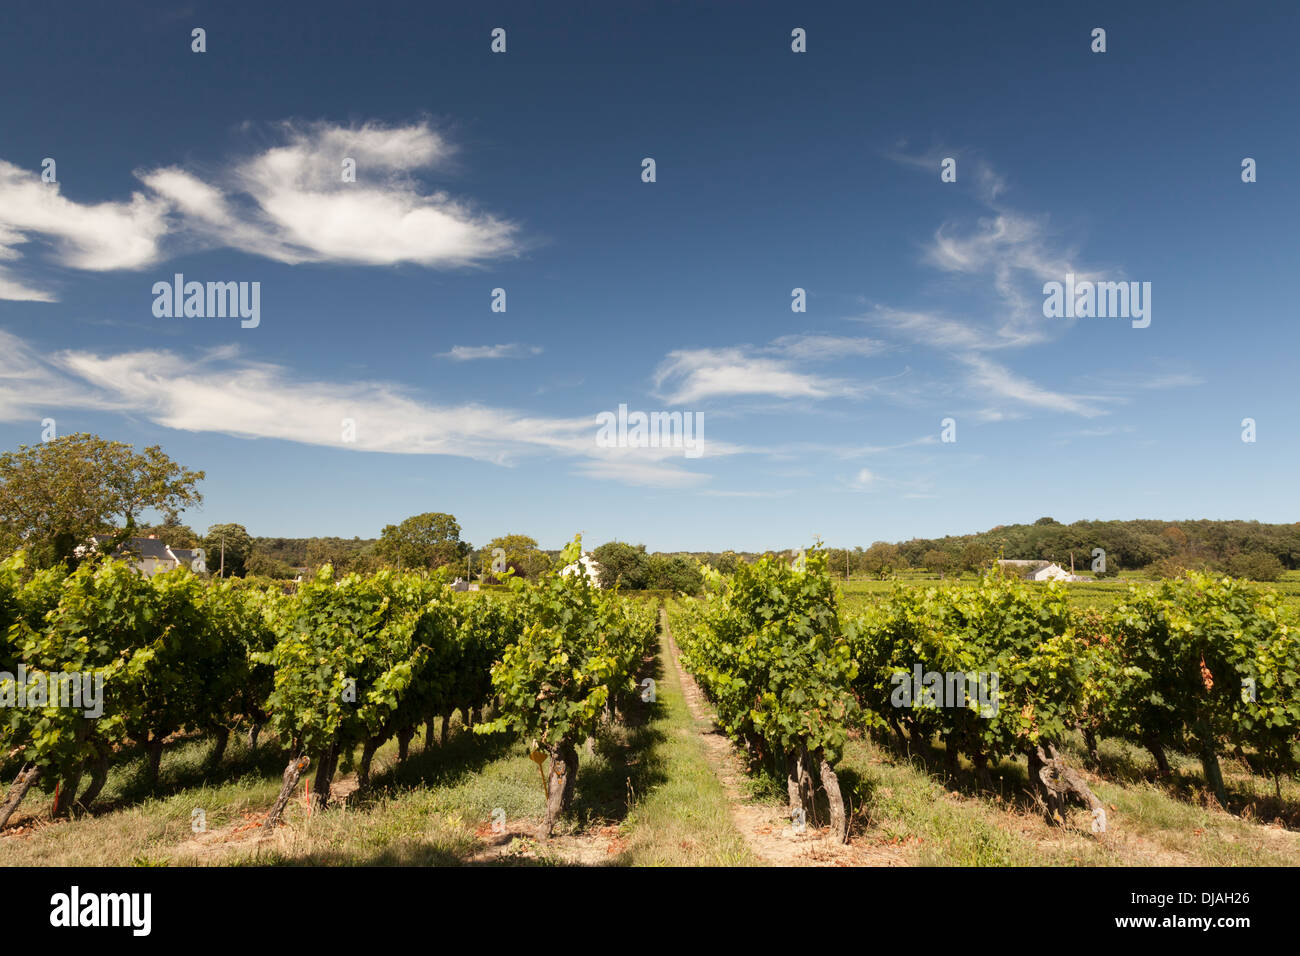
(56, 495)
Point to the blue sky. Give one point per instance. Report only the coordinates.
(774, 170)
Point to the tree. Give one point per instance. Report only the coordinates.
(238, 549)
(345, 554)
(521, 553)
(674, 572)
(266, 566)
(937, 561)
(173, 534)
(1255, 567)
(726, 562)
(881, 559)
(626, 564)
(55, 495)
(975, 557)
(427, 540)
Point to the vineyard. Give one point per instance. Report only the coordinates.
(838, 707)
(1197, 665)
(339, 665)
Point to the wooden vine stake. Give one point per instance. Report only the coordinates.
(292, 774)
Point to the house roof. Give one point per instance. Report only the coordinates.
(148, 548)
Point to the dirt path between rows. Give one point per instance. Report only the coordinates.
(766, 828)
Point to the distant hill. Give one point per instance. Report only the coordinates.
(1128, 544)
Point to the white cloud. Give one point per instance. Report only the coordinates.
(657, 475)
(1014, 254)
(936, 331)
(825, 347)
(847, 451)
(222, 392)
(693, 375)
(1010, 255)
(990, 378)
(14, 291)
(288, 203)
(91, 236)
(301, 210)
(711, 493)
(467, 353)
(864, 479)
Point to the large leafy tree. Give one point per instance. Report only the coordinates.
(937, 561)
(882, 559)
(521, 553)
(674, 572)
(625, 564)
(428, 540)
(55, 495)
(238, 547)
(976, 557)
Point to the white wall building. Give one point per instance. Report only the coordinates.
(587, 565)
(1040, 571)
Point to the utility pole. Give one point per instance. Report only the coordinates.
(222, 573)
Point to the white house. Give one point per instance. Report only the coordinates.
(1039, 571)
(150, 556)
(587, 565)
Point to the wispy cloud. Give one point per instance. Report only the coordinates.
(468, 353)
(222, 392)
(643, 473)
(996, 380)
(846, 451)
(1006, 256)
(938, 331)
(714, 493)
(814, 347)
(773, 370)
(864, 480)
(989, 185)
(693, 375)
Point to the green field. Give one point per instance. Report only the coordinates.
(1100, 594)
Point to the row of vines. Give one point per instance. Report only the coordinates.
(340, 665)
(997, 669)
